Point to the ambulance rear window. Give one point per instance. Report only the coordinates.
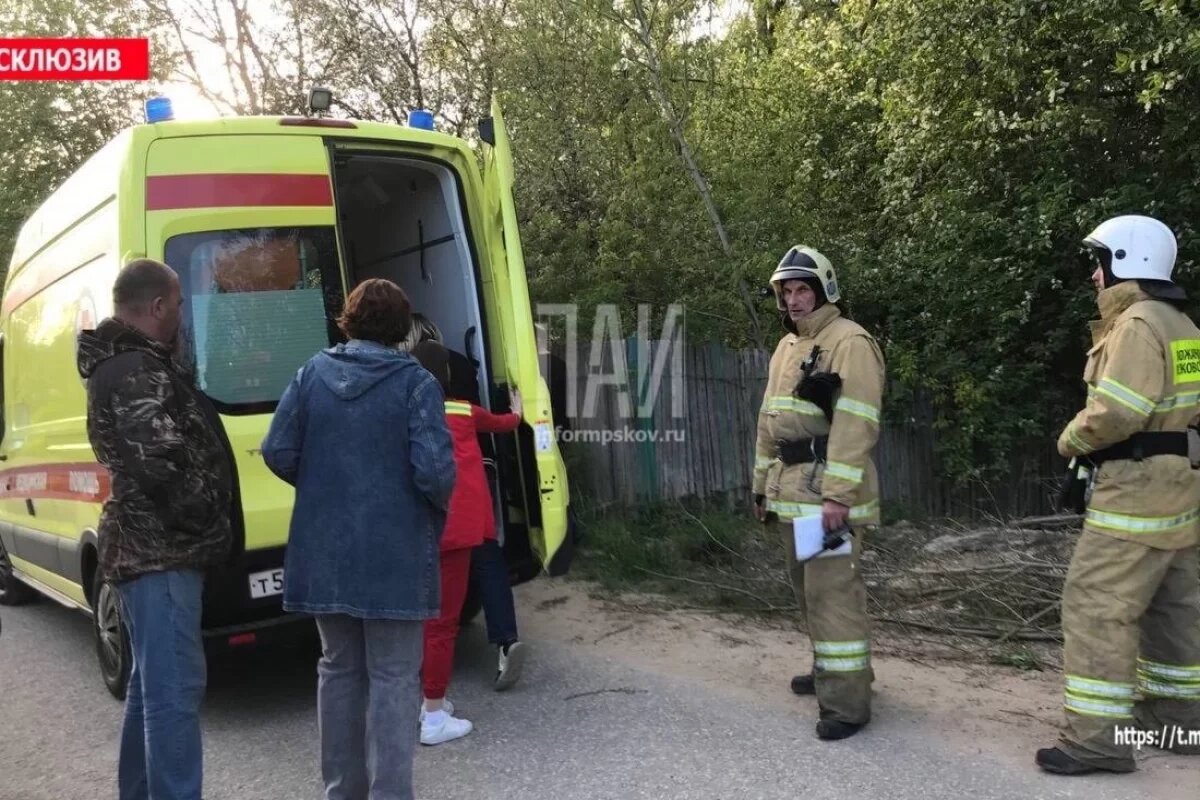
(258, 303)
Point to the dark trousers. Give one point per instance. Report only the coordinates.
(489, 570)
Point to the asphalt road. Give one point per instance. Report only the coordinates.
(577, 727)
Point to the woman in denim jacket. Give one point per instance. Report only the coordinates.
(361, 433)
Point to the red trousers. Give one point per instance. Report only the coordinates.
(441, 633)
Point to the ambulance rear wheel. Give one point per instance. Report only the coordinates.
(12, 591)
(112, 640)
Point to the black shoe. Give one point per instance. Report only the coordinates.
(832, 729)
(1053, 760)
(804, 684)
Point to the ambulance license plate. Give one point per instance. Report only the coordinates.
(266, 583)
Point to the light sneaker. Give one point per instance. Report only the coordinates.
(447, 730)
(508, 669)
(447, 706)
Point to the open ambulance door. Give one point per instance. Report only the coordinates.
(543, 476)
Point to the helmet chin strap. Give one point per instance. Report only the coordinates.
(1104, 256)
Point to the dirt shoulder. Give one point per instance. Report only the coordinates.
(1004, 711)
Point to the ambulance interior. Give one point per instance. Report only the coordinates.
(403, 219)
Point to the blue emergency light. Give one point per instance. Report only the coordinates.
(420, 118)
(158, 109)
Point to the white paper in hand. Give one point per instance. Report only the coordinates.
(809, 533)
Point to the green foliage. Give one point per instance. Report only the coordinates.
(1020, 657)
(709, 544)
(50, 128)
(948, 155)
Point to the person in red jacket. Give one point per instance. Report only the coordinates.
(469, 520)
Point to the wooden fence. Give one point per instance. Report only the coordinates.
(697, 439)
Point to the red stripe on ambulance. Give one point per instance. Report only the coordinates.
(233, 190)
(86, 482)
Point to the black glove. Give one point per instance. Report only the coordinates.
(836, 538)
(1072, 495)
(819, 388)
(760, 500)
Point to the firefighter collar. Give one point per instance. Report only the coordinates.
(815, 322)
(1115, 300)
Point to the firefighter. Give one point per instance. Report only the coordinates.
(818, 423)
(1131, 603)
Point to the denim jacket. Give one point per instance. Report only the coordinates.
(362, 435)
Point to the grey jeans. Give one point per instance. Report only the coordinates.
(368, 702)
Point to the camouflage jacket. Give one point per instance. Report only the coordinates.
(172, 469)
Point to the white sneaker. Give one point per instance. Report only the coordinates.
(447, 706)
(439, 728)
(508, 667)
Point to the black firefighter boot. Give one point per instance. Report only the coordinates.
(832, 729)
(804, 684)
(1059, 762)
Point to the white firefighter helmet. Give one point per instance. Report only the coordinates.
(1137, 247)
(801, 263)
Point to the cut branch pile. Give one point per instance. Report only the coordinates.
(998, 587)
(1002, 584)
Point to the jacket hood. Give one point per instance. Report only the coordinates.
(112, 338)
(352, 369)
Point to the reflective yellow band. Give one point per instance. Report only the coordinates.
(455, 407)
(763, 462)
(851, 664)
(845, 472)
(1087, 686)
(1170, 672)
(788, 510)
(1092, 708)
(785, 402)
(1074, 439)
(856, 648)
(1183, 400)
(1131, 524)
(1126, 396)
(864, 410)
(1181, 691)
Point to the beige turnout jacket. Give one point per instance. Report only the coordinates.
(1143, 374)
(848, 477)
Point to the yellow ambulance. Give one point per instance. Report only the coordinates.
(269, 222)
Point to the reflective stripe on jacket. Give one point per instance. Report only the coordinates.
(1143, 374)
(848, 476)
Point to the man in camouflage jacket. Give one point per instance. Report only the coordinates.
(168, 519)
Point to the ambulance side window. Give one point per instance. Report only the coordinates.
(258, 303)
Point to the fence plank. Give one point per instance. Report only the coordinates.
(722, 392)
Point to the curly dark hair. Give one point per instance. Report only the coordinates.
(377, 311)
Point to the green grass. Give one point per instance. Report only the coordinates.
(709, 554)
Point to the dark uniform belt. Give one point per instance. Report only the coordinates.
(1144, 445)
(802, 451)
